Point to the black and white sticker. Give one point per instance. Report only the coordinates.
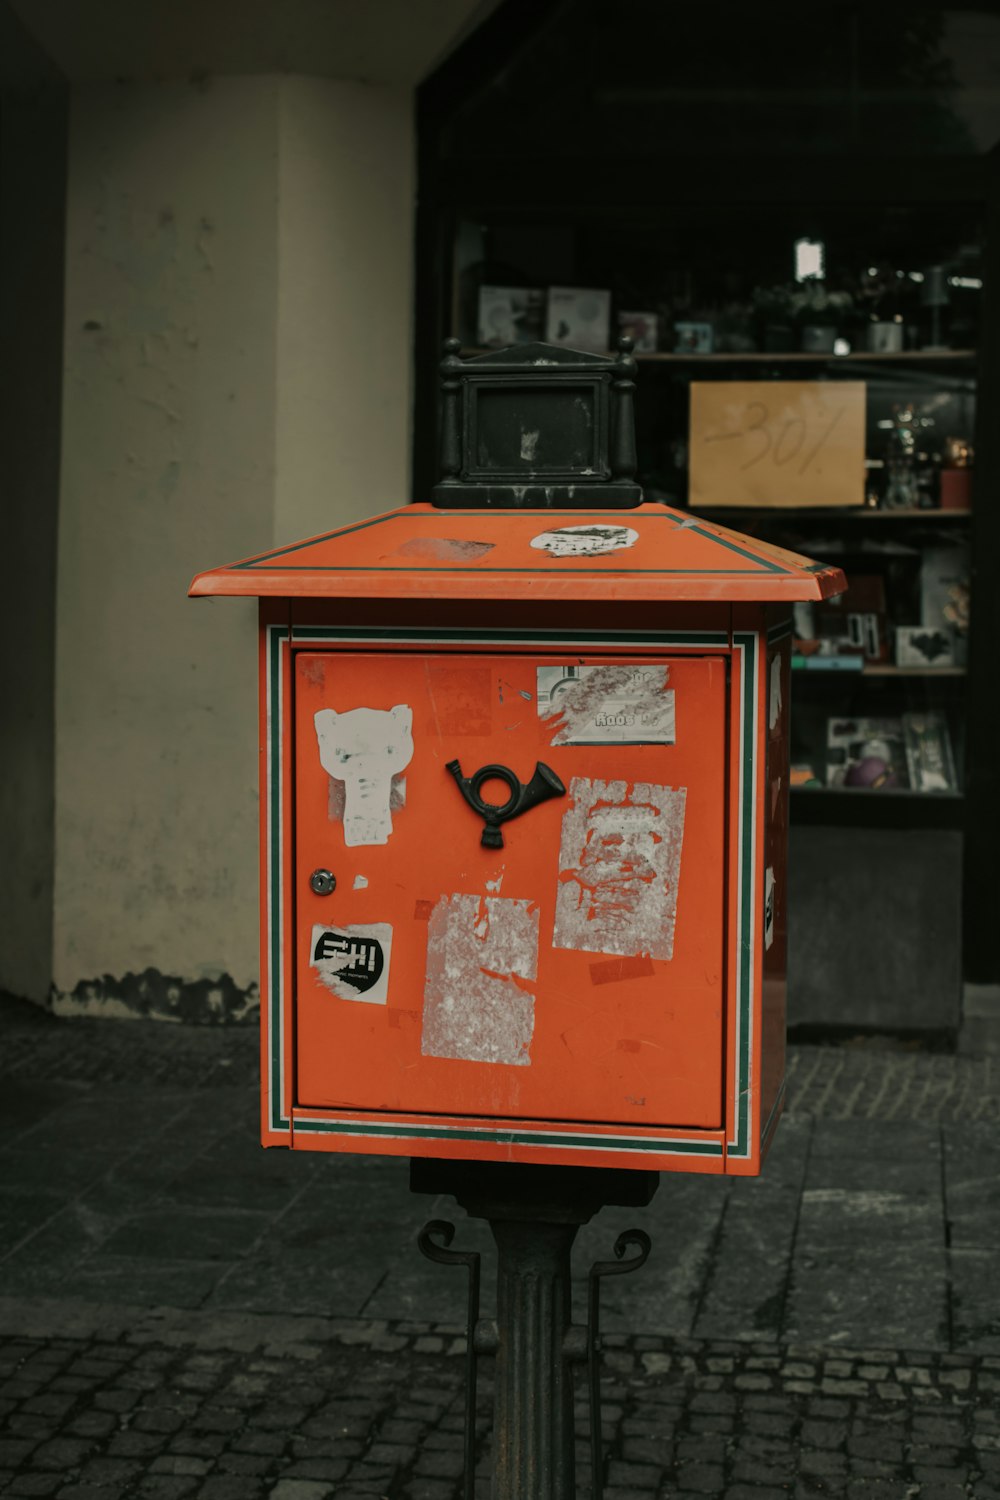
(584, 541)
(353, 962)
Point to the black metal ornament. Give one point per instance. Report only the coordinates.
(543, 785)
(538, 426)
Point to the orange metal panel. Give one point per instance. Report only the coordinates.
(419, 552)
(479, 956)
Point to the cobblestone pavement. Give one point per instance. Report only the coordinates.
(375, 1409)
(165, 1285)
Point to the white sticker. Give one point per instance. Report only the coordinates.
(768, 907)
(584, 541)
(360, 882)
(607, 705)
(619, 868)
(774, 695)
(364, 748)
(353, 962)
(480, 950)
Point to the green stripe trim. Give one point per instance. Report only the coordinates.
(447, 633)
(508, 1137)
(746, 644)
(766, 565)
(767, 570)
(276, 635)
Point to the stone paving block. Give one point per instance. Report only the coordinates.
(748, 1268)
(682, 1222)
(148, 1279)
(26, 1101)
(302, 1489)
(975, 1308)
(890, 1289)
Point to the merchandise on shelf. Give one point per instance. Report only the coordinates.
(866, 752)
(944, 592)
(643, 328)
(929, 759)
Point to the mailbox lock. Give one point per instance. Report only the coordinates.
(323, 882)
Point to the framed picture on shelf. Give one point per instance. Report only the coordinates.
(579, 317)
(509, 315)
(924, 646)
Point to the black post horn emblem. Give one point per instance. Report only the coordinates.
(543, 785)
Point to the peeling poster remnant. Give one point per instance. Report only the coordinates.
(584, 541)
(607, 705)
(364, 748)
(619, 868)
(444, 549)
(481, 950)
(353, 962)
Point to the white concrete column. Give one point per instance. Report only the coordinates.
(237, 375)
(168, 465)
(345, 301)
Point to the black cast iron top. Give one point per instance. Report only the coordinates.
(537, 425)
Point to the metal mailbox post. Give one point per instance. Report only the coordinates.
(524, 788)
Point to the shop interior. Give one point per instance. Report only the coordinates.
(787, 220)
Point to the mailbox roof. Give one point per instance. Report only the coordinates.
(423, 552)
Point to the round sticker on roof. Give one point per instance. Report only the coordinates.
(584, 541)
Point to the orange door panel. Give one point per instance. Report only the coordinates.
(573, 973)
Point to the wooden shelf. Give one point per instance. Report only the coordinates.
(877, 669)
(800, 356)
(829, 513)
(794, 356)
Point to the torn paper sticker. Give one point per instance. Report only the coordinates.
(584, 541)
(478, 1005)
(619, 868)
(768, 907)
(364, 748)
(607, 705)
(353, 962)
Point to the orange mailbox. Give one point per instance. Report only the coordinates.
(524, 789)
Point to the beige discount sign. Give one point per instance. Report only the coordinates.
(777, 442)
